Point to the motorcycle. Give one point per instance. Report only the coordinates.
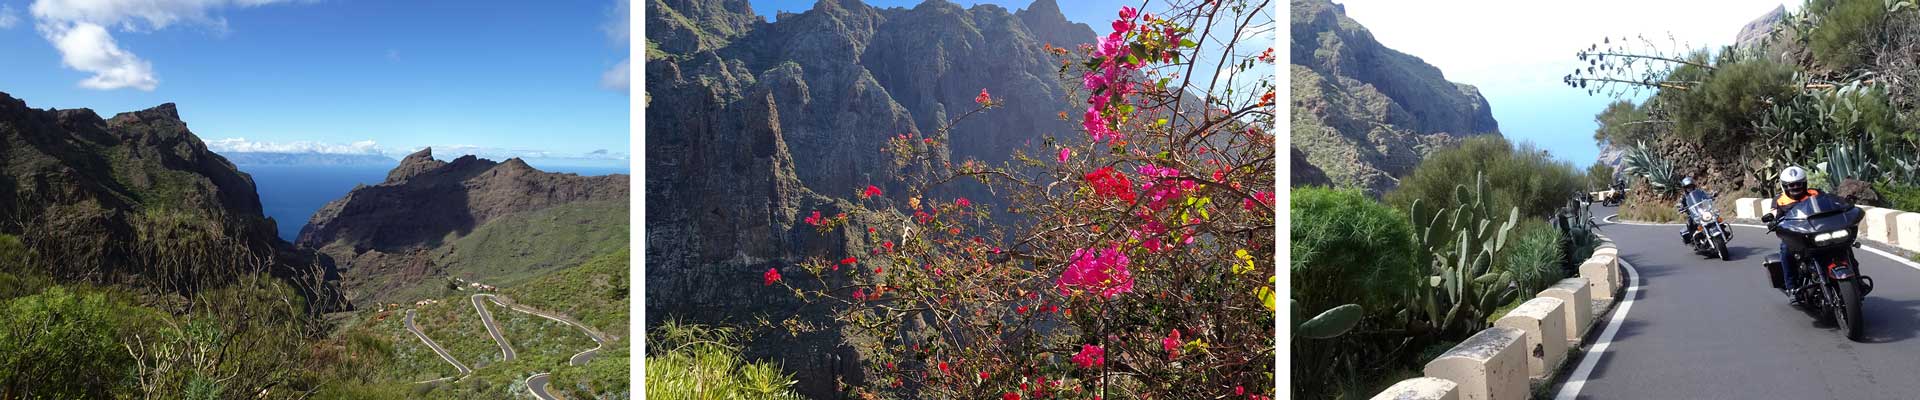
(1820, 233)
(1615, 194)
(1710, 234)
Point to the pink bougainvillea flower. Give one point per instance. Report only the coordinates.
(888, 244)
(849, 260)
(1090, 356)
(983, 375)
(1239, 390)
(1102, 271)
(983, 98)
(860, 294)
(1020, 310)
(1010, 396)
(1064, 153)
(944, 369)
(1172, 344)
(1127, 12)
(870, 192)
(772, 275)
(963, 202)
(814, 219)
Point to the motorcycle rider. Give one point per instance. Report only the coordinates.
(1793, 187)
(1686, 186)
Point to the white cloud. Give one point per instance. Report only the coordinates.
(618, 78)
(619, 30)
(242, 145)
(78, 29)
(8, 17)
(499, 153)
(88, 47)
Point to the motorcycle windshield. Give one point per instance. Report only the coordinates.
(1697, 196)
(1824, 213)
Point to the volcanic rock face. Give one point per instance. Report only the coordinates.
(113, 200)
(385, 237)
(750, 129)
(1367, 114)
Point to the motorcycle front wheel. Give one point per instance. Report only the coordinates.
(1848, 310)
(1720, 247)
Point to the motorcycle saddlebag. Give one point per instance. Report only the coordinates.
(1772, 265)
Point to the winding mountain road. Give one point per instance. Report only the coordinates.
(486, 318)
(1703, 328)
(444, 355)
(538, 384)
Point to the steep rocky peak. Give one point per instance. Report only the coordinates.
(164, 112)
(414, 164)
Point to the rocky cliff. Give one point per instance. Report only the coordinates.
(1365, 113)
(137, 199)
(424, 223)
(752, 125)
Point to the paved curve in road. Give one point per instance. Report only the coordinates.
(538, 383)
(599, 340)
(486, 319)
(435, 346)
(1703, 328)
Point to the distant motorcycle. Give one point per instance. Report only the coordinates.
(1820, 233)
(1615, 194)
(1710, 234)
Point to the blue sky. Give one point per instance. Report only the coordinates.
(496, 78)
(1516, 51)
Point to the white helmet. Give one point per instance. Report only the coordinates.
(1793, 175)
(1686, 182)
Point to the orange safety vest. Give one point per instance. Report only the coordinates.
(1785, 200)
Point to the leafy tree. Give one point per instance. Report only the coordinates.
(1519, 176)
(1842, 31)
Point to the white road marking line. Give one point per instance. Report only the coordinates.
(1578, 379)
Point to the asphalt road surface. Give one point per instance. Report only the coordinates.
(486, 318)
(1703, 328)
(538, 384)
(435, 346)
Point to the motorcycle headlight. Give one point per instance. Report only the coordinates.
(1829, 237)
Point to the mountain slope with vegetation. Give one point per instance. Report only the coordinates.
(472, 219)
(1364, 113)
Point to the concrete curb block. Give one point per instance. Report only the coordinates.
(1879, 224)
(1491, 365)
(1907, 228)
(1748, 208)
(1422, 388)
(1577, 304)
(1544, 320)
(1602, 276)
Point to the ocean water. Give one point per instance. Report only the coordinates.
(291, 194)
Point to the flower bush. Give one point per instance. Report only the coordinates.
(1135, 264)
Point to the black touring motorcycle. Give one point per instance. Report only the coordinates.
(1820, 233)
(1710, 234)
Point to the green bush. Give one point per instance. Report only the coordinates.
(1534, 257)
(1899, 197)
(1348, 248)
(1846, 30)
(1719, 111)
(701, 362)
(1519, 176)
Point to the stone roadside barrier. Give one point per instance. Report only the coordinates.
(1530, 342)
(1545, 323)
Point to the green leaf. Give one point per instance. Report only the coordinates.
(1188, 43)
(1331, 323)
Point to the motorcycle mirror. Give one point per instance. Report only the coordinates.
(1767, 218)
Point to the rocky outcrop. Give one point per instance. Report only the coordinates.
(1756, 33)
(1364, 113)
(790, 117)
(389, 236)
(117, 200)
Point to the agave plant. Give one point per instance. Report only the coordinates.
(1656, 171)
(1846, 160)
(1329, 324)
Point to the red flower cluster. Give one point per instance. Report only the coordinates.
(870, 192)
(1172, 344)
(1090, 356)
(983, 98)
(1108, 183)
(772, 275)
(814, 219)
